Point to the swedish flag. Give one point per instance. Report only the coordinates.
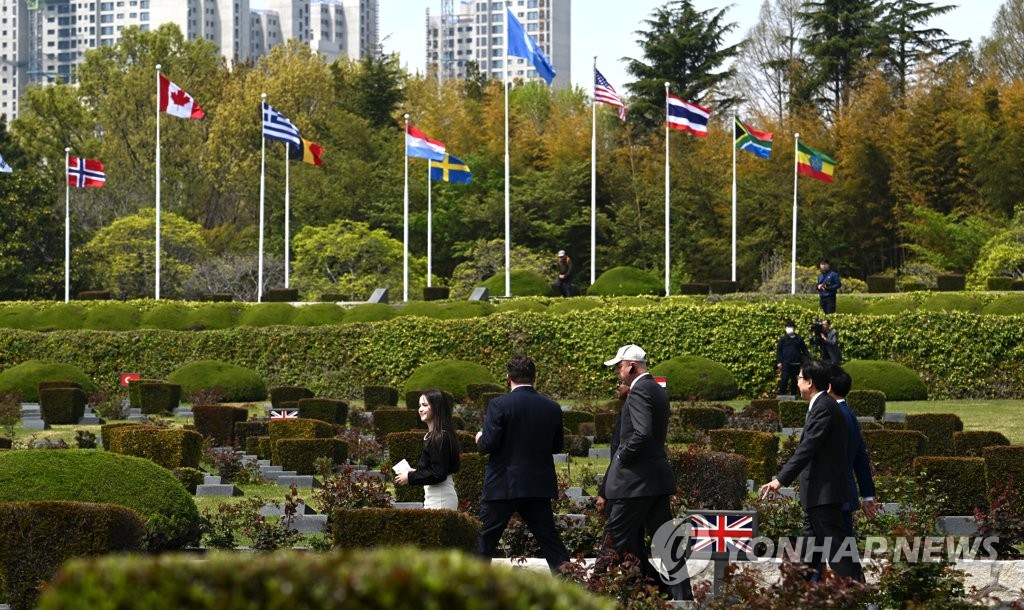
(451, 169)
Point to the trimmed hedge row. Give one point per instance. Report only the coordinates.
(37, 537)
(170, 448)
(301, 454)
(970, 443)
(894, 451)
(938, 427)
(759, 448)
(961, 479)
(399, 578)
(217, 422)
(569, 349)
(425, 529)
(61, 405)
(710, 479)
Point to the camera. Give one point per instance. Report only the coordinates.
(816, 329)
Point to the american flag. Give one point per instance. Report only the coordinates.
(284, 414)
(721, 533)
(83, 172)
(605, 93)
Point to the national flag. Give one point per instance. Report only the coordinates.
(277, 127)
(4, 167)
(85, 172)
(418, 145)
(687, 116)
(521, 44)
(309, 152)
(451, 169)
(721, 533)
(284, 414)
(662, 381)
(605, 93)
(174, 101)
(814, 163)
(752, 140)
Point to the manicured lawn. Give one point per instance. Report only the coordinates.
(1006, 416)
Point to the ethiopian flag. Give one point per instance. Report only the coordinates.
(752, 140)
(813, 163)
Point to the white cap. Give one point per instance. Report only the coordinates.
(630, 352)
(561, 253)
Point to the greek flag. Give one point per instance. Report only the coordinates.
(4, 167)
(277, 127)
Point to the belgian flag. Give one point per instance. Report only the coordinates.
(309, 153)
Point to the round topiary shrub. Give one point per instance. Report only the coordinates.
(1007, 305)
(267, 314)
(404, 578)
(232, 383)
(214, 316)
(896, 381)
(85, 475)
(112, 316)
(695, 377)
(524, 283)
(167, 316)
(951, 302)
(370, 312)
(65, 316)
(891, 306)
(24, 378)
(319, 314)
(451, 376)
(17, 316)
(626, 281)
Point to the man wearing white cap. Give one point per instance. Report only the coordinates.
(639, 481)
(564, 266)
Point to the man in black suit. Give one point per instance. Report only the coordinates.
(522, 429)
(639, 482)
(820, 462)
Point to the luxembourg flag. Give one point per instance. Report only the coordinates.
(174, 101)
(687, 116)
(418, 145)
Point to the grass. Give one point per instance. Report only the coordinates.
(1006, 416)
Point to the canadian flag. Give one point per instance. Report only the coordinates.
(174, 101)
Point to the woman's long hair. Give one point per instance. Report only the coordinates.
(442, 433)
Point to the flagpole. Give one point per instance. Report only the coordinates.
(796, 161)
(734, 119)
(287, 208)
(67, 227)
(508, 223)
(405, 219)
(263, 191)
(156, 289)
(667, 224)
(593, 182)
(429, 220)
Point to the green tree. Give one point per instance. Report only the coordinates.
(121, 257)
(351, 259)
(32, 251)
(1004, 49)
(909, 47)
(950, 242)
(682, 46)
(371, 88)
(768, 60)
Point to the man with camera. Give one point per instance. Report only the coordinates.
(828, 285)
(826, 339)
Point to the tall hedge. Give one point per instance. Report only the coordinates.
(170, 448)
(938, 427)
(759, 448)
(37, 537)
(943, 348)
(399, 578)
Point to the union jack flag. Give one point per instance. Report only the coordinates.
(85, 172)
(284, 414)
(721, 533)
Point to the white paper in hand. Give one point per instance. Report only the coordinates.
(402, 467)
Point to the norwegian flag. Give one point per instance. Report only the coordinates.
(284, 414)
(721, 533)
(85, 172)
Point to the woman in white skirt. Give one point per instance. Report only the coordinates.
(439, 458)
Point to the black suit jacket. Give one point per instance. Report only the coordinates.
(820, 458)
(640, 465)
(522, 429)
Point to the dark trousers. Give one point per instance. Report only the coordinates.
(787, 377)
(536, 513)
(628, 520)
(565, 286)
(825, 526)
(827, 302)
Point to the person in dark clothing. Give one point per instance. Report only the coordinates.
(789, 353)
(564, 266)
(439, 458)
(828, 285)
(826, 338)
(862, 485)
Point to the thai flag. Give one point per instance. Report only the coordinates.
(722, 532)
(418, 145)
(687, 116)
(85, 172)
